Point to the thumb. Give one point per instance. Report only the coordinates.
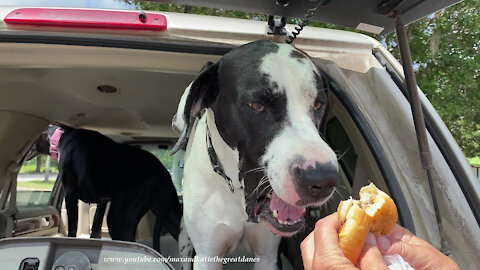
(371, 258)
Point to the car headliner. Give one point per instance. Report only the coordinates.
(348, 13)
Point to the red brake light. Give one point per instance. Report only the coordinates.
(107, 19)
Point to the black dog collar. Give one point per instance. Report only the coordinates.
(216, 164)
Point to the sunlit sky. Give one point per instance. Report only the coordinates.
(114, 4)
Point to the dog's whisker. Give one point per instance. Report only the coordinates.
(343, 187)
(264, 178)
(260, 185)
(348, 149)
(261, 168)
(338, 192)
(325, 206)
(262, 181)
(265, 188)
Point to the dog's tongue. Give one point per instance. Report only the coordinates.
(285, 210)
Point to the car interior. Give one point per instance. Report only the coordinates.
(131, 96)
(66, 253)
(126, 85)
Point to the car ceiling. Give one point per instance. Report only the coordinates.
(145, 100)
(61, 83)
(350, 13)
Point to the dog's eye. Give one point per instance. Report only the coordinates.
(317, 105)
(258, 107)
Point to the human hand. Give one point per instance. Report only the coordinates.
(320, 249)
(420, 254)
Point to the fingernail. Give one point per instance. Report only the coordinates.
(384, 243)
(371, 239)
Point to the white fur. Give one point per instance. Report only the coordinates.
(178, 124)
(215, 219)
(299, 136)
(185, 246)
(264, 245)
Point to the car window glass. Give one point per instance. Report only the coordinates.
(164, 156)
(174, 165)
(339, 141)
(353, 170)
(35, 182)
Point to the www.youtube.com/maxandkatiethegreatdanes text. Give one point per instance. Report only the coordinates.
(146, 259)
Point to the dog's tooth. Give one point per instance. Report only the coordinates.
(269, 195)
(275, 213)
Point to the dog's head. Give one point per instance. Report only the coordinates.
(41, 146)
(270, 104)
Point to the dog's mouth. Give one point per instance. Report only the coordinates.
(281, 218)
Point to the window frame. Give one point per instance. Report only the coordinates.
(438, 137)
(404, 214)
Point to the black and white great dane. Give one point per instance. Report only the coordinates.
(95, 169)
(262, 112)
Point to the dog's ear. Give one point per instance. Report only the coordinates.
(39, 147)
(200, 94)
(32, 152)
(323, 124)
(178, 124)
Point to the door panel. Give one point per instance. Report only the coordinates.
(36, 221)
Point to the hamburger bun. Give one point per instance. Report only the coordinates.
(375, 212)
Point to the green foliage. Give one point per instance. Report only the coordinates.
(474, 161)
(164, 157)
(197, 10)
(445, 53)
(445, 49)
(37, 184)
(31, 165)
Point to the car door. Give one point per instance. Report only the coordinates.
(35, 215)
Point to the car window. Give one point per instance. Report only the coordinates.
(164, 156)
(37, 177)
(338, 140)
(356, 168)
(35, 182)
(174, 165)
(353, 172)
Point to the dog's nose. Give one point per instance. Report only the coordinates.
(318, 182)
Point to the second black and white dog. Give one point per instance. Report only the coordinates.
(95, 169)
(255, 157)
